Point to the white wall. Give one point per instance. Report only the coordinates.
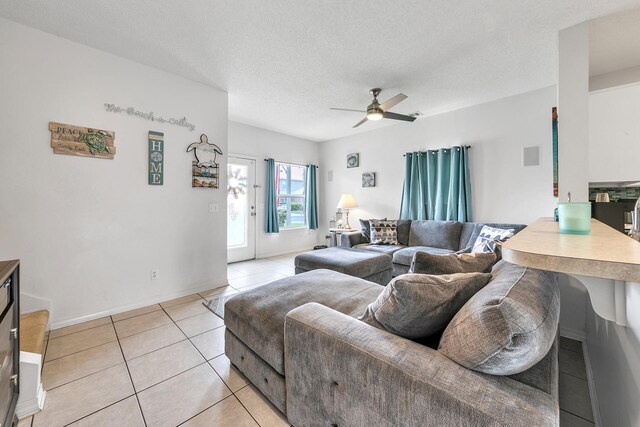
(573, 113)
(503, 190)
(259, 144)
(614, 134)
(88, 231)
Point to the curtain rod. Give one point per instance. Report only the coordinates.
(266, 160)
(426, 151)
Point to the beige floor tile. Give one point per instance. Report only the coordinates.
(179, 398)
(287, 270)
(125, 413)
(196, 325)
(136, 312)
(253, 279)
(260, 408)
(162, 364)
(56, 333)
(210, 344)
(574, 396)
(572, 363)
(223, 290)
(569, 420)
(232, 377)
(181, 300)
(78, 365)
(227, 413)
(187, 309)
(145, 322)
(148, 341)
(73, 343)
(85, 396)
(25, 422)
(234, 274)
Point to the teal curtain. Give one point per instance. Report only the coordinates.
(312, 198)
(437, 185)
(271, 205)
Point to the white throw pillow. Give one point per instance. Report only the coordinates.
(489, 237)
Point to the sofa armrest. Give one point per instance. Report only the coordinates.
(350, 239)
(341, 371)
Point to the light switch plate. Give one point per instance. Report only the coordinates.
(531, 156)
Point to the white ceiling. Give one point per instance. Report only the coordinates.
(285, 62)
(614, 43)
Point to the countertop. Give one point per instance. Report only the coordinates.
(604, 253)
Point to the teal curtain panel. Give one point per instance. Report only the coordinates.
(437, 185)
(312, 198)
(271, 205)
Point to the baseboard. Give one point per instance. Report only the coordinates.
(144, 303)
(592, 386)
(32, 406)
(573, 334)
(286, 252)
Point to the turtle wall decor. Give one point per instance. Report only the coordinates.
(205, 170)
(82, 141)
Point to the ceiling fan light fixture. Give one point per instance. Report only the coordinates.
(374, 114)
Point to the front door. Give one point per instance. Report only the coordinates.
(241, 209)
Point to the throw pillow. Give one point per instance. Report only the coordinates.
(489, 237)
(426, 263)
(509, 325)
(404, 228)
(383, 232)
(419, 305)
(365, 229)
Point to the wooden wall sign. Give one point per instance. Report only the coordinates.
(81, 141)
(156, 158)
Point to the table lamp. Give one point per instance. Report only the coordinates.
(347, 202)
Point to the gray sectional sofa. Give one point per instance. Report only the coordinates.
(298, 340)
(437, 237)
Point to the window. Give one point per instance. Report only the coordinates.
(290, 181)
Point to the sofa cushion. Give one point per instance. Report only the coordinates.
(419, 305)
(365, 228)
(404, 228)
(344, 260)
(383, 232)
(426, 263)
(509, 325)
(435, 234)
(383, 249)
(489, 237)
(405, 255)
(256, 316)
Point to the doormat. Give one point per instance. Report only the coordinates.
(216, 305)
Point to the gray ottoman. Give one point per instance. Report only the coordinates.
(254, 337)
(367, 265)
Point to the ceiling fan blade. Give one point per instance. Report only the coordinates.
(361, 122)
(348, 109)
(395, 116)
(390, 103)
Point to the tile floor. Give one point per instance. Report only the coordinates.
(164, 365)
(575, 402)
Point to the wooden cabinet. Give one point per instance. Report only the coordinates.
(9, 340)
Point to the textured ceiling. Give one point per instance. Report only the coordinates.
(285, 62)
(614, 43)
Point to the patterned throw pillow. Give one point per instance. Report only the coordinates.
(365, 228)
(489, 239)
(383, 232)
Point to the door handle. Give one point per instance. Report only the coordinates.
(253, 214)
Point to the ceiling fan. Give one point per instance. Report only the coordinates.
(377, 111)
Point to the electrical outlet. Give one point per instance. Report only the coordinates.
(213, 208)
(155, 274)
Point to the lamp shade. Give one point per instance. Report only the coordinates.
(347, 202)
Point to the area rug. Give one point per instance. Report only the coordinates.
(216, 305)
